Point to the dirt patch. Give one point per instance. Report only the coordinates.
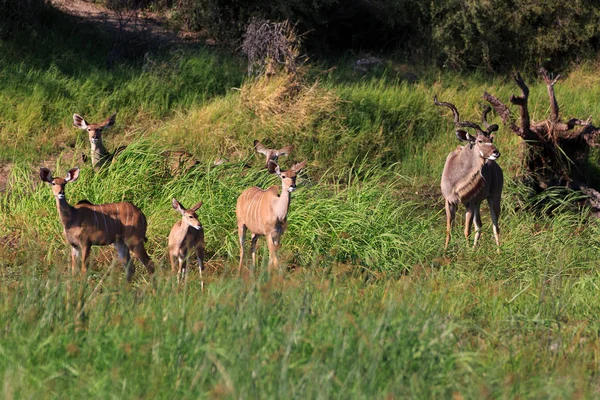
(4, 173)
(151, 26)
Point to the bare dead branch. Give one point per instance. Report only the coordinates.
(554, 114)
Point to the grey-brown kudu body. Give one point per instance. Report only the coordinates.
(86, 224)
(187, 235)
(264, 212)
(472, 175)
(99, 154)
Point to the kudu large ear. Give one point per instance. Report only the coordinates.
(176, 205)
(110, 121)
(273, 168)
(196, 207)
(45, 175)
(464, 136)
(286, 151)
(79, 122)
(298, 167)
(259, 147)
(72, 175)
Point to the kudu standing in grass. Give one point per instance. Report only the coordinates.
(272, 154)
(186, 235)
(471, 175)
(99, 154)
(264, 212)
(86, 224)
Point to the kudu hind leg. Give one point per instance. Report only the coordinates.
(450, 214)
(140, 252)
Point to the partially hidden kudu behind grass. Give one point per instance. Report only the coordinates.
(99, 154)
(264, 213)
(187, 235)
(86, 224)
(472, 175)
(272, 154)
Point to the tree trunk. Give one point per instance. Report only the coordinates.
(556, 152)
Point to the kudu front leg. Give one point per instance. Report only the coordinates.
(450, 214)
(468, 221)
(85, 255)
(75, 259)
(253, 250)
(125, 257)
(182, 270)
(477, 225)
(241, 234)
(273, 245)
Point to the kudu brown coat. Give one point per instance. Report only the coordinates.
(86, 224)
(264, 212)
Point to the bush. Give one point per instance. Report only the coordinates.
(17, 15)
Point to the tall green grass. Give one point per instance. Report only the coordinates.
(367, 304)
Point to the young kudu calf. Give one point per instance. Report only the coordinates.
(98, 152)
(264, 212)
(272, 154)
(86, 224)
(471, 175)
(186, 235)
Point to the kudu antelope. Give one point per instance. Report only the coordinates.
(99, 154)
(272, 154)
(186, 235)
(471, 175)
(86, 224)
(264, 212)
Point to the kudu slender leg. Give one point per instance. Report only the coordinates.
(477, 224)
(450, 214)
(273, 246)
(200, 258)
(468, 220)
(123, 252)
(174, 266)
(253, 250)
(241, 233)
(85, 254)
(495, 213)
(182, 272)
(140, 252)
(75, 259)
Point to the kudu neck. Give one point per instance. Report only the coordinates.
(65, 211)
(98, 151)
(282, 203)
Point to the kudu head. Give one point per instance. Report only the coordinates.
(58, 184)
(272, 154)
(94, 130)
(288, 177)
(483, 141)
(189, 215)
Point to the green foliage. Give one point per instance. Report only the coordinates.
(503, 35)
(19, 15)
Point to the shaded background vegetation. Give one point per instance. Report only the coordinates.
(459, 34)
